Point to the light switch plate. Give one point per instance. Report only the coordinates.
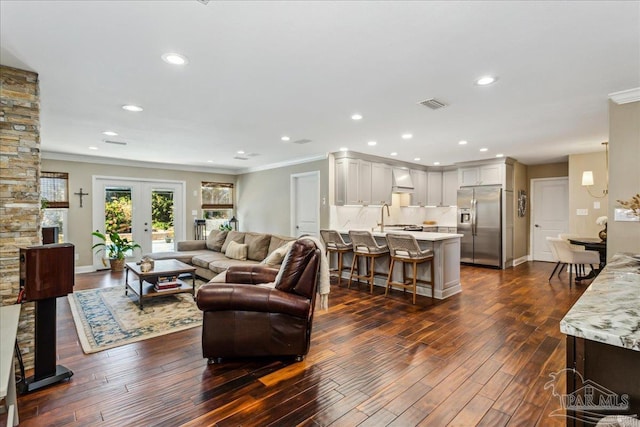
(596, 205)
(582, 212)
(194, 212)
(621, 214)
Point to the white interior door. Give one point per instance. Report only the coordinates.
(135, 217)
(549, 214)
(305, 204)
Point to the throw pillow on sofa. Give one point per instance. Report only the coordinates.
(236, 251)
(276, 257)
(232, 236)
(216, 239)
(258, 244)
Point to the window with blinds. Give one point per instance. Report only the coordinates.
(217, 195)
(54, 188)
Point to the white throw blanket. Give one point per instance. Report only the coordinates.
(323, 276)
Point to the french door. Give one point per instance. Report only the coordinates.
(151, 213)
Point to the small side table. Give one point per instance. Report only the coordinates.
(9, 317)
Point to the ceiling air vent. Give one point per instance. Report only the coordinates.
(240, 158)
(115, 142)
(432, 103)
(302, 141)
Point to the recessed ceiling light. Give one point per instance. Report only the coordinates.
(394, 154)
(285, 138)
(484, 149)
(436, 163)
(417, 159)
(209, 161)
(462, 142)
(499, 155)
(240, 152)
(344, 149)
(109, 133)
(356, 117)
(371, 143)
(407, 136)
(133, 108)
(93, 148)
(486, 80)
(175, 58)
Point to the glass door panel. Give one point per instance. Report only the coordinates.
(162, 220)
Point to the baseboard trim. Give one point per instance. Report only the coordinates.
(521, 260)
(84, 269)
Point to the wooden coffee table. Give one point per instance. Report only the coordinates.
(144, 286)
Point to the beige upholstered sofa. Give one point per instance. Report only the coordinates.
(223, 249)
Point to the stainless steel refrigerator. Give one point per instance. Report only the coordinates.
(480, 221)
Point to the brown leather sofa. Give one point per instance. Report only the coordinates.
(243, 319)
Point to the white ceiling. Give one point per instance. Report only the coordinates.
(261, 70)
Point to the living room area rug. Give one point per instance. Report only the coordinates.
(106, 318)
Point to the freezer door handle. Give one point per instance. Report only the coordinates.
(473, 217)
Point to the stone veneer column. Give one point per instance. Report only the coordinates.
(19, 188)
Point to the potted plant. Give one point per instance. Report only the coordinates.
(115, 249)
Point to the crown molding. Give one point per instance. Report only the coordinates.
(51, 155)
(625, 96)
(285, 164)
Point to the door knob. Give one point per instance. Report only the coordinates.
(536, 226)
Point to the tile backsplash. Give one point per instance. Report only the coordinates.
(367, 217)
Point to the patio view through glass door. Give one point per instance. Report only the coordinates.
(149, 213)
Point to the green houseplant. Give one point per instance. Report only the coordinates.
(115, 249)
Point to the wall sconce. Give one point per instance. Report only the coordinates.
(234, 221)
(587, 176)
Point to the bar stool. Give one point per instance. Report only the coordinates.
(336, 245)
(405, 249)
(365, 246)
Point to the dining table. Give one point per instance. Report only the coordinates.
(592, 244)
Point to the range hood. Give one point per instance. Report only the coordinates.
(402, 182)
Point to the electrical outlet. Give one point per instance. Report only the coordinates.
(596, 205)
(582, 212)
(194, 212)
(77, 257)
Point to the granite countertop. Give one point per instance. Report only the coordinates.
(609, 310)
(419, 235)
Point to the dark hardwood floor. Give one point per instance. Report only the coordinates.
(479, 358)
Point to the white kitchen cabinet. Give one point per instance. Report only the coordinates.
(420, 183)
(434, 188)
(353, 180)
(490, 174)
(364, 182)
(381, 182)
(340, 174)
(450, 188)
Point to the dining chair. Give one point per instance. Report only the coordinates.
(572, 257)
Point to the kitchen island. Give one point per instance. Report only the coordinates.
(446, 261)
(603, 345)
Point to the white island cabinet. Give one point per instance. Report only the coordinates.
(446, 260)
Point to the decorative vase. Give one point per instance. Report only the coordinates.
(117, 264)
(603, 234)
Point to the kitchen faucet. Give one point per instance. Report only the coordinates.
(382, 217)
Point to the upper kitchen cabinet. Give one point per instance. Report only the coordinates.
(489, 174)
(450, 188)
(381, 182)
(419, 195)
(349, 190)
(434, 188)
(361, 182)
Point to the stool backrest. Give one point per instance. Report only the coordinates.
(403, 245)
(362, 240)
(332, 239)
